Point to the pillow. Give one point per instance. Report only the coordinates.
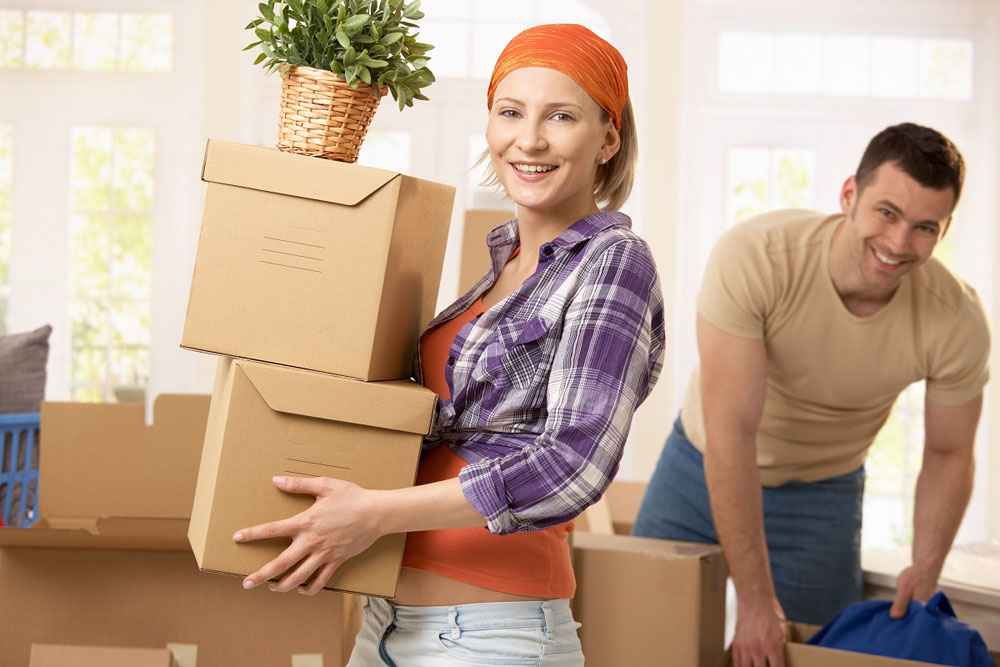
(22, 370)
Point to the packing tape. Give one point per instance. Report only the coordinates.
(185, 655)
(307, 660)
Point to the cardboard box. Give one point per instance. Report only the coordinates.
(268, 420)
(136, 599)
(53, 655)
(475, 260)
(649, 602)
(315, 263)
(621, 503)
(107, 480)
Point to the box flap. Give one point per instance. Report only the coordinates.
(271, 170)
(399, 405)
(57, 655)
(654, 548)
(141, 534)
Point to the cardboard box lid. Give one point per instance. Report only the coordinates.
(324, 396)
(653, 548)
(271, 170)
(58, 655)
(102, 460)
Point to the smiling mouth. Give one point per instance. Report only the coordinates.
(533, 168)
(888, 261)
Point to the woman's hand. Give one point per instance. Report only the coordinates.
(341, 523)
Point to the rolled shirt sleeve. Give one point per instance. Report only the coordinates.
(607, 361)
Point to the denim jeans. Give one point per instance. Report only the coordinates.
(813, 530)
(497, 633)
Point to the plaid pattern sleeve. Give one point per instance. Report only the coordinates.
(603, 364)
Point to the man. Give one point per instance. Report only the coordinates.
(809, 327)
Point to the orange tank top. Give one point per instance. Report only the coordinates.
(534, 564)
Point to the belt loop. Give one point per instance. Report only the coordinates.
(456, 629)
(548, 615)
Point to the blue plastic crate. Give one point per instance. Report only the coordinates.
(19, 469)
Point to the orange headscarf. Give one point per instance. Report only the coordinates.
(572, 49)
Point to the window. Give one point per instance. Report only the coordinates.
(6, 187)
(763, 179)
(111, 191)
(468, 35)
(843, 64)
(100, 41)
(386, 150)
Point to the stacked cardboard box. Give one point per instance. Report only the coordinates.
(53, 655)
(313, 279)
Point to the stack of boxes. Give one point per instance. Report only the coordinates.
(313, 279)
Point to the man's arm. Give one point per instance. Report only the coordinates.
(733, 385)
(943, 490)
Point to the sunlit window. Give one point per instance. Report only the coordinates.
(110, 259)
(762, 179)
(386, 150)
(845, 65)
(469, 34)
(6, 187)
(96, 41)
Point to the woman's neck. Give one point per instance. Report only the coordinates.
(536, 228)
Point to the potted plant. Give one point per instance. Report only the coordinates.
(337, 59)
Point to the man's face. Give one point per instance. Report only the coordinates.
(894, 224)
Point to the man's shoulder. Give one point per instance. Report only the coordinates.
(943, 292)
(782, 230)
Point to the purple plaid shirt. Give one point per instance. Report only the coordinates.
(544, 383)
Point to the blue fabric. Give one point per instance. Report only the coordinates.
(813, 530)
(929, 633)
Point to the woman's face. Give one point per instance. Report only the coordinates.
(546, 138)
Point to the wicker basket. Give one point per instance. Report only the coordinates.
(322, 116)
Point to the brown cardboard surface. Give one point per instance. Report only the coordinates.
(267, 420)
(624, 498)
(475, 259)
(649, 602)
(315, 263)
(800, 654)
(56, 655)
(135, 599)
(107, 480)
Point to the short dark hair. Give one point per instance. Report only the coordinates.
(926, 155)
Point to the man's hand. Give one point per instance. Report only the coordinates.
(761, 633)
(913, 582)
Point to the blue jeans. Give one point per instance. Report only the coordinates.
(541, 634)
(813, 530)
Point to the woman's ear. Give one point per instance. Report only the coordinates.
(612, 144)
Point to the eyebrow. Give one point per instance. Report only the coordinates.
(888, 204)
(552, 105)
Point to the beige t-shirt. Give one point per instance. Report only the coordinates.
(832, 376)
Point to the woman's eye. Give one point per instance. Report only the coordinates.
(886, 213)
(508, 113)
(560, 116)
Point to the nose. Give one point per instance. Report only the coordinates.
(899, 238)
(531, 138)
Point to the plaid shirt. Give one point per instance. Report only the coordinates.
(544, 383)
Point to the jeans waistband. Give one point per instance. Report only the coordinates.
(543, 615)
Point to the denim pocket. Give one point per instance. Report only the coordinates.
(502, 646)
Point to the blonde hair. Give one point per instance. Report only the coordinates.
(614, 179)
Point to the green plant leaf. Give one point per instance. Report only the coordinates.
(342, 37)
(356, 23)
(253, 24)
(250, 46)
(264, 35)
(365, 74)
(266, 11)
(391, 38)
(261, 58)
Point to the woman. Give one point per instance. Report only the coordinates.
(539, 369)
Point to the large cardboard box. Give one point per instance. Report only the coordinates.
(475, 260)
(268, 420)
(57, 655)
(136, 599)
(108, 480)
(649, 602)
(315, 263)
(800, 654)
